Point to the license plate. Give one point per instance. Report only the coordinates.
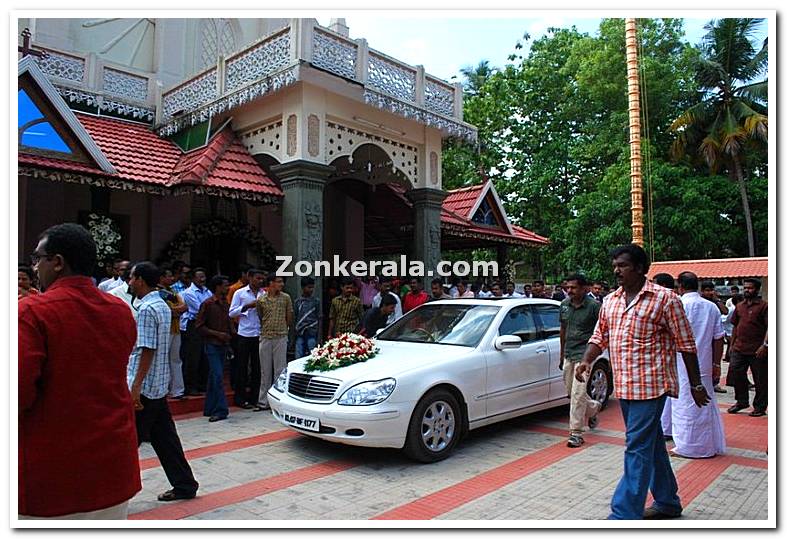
(301, 421)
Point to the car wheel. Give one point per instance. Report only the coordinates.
(600, 383)
(435, 427)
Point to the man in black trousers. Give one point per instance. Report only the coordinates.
(148, 377)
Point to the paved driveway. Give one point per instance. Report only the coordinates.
(250, 467)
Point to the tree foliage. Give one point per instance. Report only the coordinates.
(553, 136)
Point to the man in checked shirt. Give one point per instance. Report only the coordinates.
(641, 324)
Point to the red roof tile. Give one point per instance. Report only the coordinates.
(60, 164)
(136, 152)
(139, 155)
(717, 268)
(461, 201)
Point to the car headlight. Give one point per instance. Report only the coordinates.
(281, 382)
(368, 393)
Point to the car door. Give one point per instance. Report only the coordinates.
(517, 378)
(548, 320)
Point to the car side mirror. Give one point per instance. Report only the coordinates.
(507, 342)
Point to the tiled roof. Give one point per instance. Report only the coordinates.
(139, 155)
(225, 162)
(461, 201)
(60, 164)
(136, 152)
(717, 268)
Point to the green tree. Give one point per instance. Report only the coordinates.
(476, 77)
(730, 121)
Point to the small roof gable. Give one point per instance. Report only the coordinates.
(28, 67)
(466, 201)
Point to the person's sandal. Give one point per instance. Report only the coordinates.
(593, 422)
(575, 441)
(171, 496)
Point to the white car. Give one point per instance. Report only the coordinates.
(443, 369)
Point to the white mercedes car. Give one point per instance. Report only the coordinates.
(443, 369)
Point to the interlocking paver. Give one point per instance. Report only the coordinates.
(516, 471)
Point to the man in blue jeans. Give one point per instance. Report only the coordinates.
(642, 324)
(307, 319)
(214, 324)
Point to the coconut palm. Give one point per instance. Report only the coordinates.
(731, 119)
(475, 77)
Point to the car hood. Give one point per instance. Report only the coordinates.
(394, 358)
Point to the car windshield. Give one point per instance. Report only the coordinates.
(455, 324)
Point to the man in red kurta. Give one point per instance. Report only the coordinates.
(77, 436)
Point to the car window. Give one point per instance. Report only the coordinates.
(549, 316)
(442, 323)
(520, 322)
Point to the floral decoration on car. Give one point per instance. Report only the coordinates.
(342, 351)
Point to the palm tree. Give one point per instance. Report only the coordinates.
(731, 118)
(475, 77)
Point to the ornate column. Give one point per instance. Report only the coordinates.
(427, 204)
(503, 257)
(303, 183)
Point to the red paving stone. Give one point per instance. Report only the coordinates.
(447, 499)
(693, 478)
(224, 447)
(242, 493)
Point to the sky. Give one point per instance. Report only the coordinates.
(443, 45)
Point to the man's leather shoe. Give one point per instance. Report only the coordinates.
(651, 513)
(757, 413)
(735, 408)
(171, 496)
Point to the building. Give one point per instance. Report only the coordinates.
(224, 141)
(723, 271)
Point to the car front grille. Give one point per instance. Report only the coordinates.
(311, 387)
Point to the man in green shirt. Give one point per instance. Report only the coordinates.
(346, 311)
(275, 312)
(578, 317)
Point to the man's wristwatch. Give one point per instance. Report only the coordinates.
(698, 387)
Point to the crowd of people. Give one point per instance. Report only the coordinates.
(169, 331)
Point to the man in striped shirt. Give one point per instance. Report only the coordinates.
(640, 324)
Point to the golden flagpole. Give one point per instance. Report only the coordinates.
(632, 75)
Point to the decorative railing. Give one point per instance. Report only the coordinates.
(391, 77)
(63, 66)
(261, 60)
(334, 53)
(439, 96)
(88, 80)
(125, 85)
(191, 94)
(265, 66)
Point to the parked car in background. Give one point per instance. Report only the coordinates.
(443, 369)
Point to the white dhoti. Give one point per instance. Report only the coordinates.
(698, 431)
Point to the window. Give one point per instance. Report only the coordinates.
(520, 322)
(485, 215)
(455, 324)
(549, 316)
(34, 129)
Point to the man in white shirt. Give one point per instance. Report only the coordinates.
(385, 288)
(511, 290)
(243, 306)
(122, 291)
(698, 432)
(119, 267)
(736, 292)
